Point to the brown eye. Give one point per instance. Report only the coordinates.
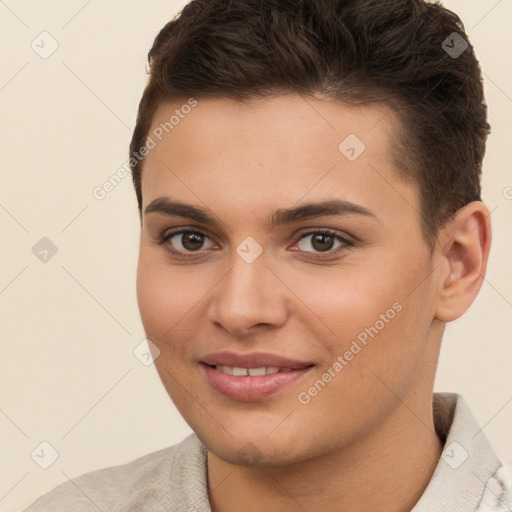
(184, 242)
(322, 242)
(192, 241)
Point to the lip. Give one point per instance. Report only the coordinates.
(252, 388)
(252, 360)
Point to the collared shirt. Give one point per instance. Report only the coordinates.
(468, 478)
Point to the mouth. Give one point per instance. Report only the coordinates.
(251, 377)
(237, 371)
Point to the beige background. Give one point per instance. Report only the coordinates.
(68, 327)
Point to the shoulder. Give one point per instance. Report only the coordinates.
(148, 481)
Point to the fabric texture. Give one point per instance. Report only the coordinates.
(468, 478)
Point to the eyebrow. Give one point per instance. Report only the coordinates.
(331, 207)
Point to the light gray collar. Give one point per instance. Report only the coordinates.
(467, 463)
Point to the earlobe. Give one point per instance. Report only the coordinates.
(465, 243)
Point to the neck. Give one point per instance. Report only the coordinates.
(387, 470)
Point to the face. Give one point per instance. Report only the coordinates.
(274, 241)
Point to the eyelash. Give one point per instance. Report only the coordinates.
(164, 237)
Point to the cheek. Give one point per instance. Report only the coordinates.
(367, 311)
(164, 296)
(347, 299)
(150, 297)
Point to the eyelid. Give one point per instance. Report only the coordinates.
(325, 255)
(328, 231)
(166, 235)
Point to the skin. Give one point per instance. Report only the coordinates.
(371, 426)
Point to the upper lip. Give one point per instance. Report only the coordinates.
(252, 360)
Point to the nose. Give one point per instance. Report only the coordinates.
(250, 297)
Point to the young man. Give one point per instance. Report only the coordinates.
(308, 178)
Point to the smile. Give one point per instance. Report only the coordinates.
(253, 372)
(251, 376)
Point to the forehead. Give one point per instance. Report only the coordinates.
(281, 149)
(281, 122)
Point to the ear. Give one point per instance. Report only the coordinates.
(463, 250)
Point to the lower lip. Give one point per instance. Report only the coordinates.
(251, 388)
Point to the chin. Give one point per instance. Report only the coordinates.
(261, 450)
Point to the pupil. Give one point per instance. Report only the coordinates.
(192, 241)
(325, 242)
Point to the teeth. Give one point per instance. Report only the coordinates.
(225, 369)
(243, 372)
(256, 371)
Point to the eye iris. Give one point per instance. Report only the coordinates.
(192, 241)
(325, 244)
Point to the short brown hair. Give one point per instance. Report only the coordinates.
(355, 51)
